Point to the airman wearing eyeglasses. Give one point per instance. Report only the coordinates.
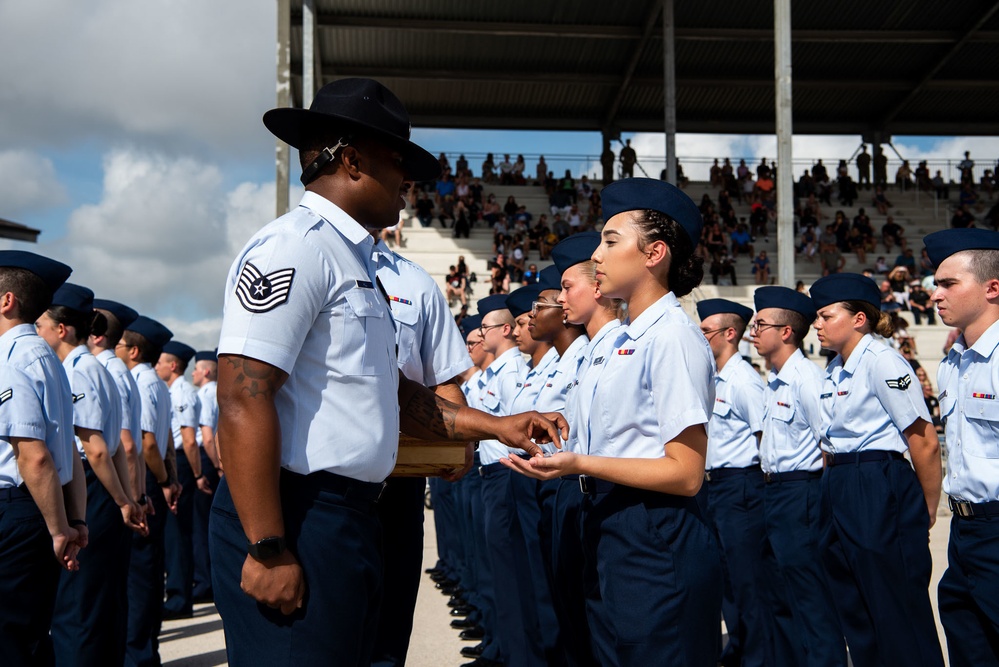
(806, 629)
(732, 495)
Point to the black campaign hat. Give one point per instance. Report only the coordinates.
(52, 273)
(775, 296)
(709, 307)
(641, 194)
(351, 105)
(74, 297)
(838, 287)
(941, 245)
(124, 314)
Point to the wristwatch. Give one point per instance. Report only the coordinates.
(267, 548)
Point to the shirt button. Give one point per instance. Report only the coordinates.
(965, 376)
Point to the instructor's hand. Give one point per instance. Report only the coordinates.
(524, 430)
(278, 583)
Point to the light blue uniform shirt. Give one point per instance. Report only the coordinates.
(969, 407)
(737, 416)
(658, 382)
(154, 397)
(128, 391)
(96, 402)
(792, 418)
(35, 403)
(533, 383)
(471, 387)
(868, 402)
(579, 398)
(560, 377)
(431, 350)
(184, 399)
(500, 384)
(302, 296)
(208, 409)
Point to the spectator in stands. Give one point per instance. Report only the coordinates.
(920, 303)
(800, 287)
(988, 183)
(583, 189)
(926, 267)
(903, 177)
(548, 240)
(758, 222)
(862, 223)
(714, 240)
(500, 232)
(806, 184)
(899, 278)
(535, 233)
(707, 205)
(892, 234)
(967, 197)
(880, 201)
(864, 168)
(847, 188)
(461, 167)
(489, 169)
(532, 275)
(888, 301)
(395, 231)
(424, 209)
(540, 172)
(455, 287)
(923, 177)
(856, 243)
(880, 166)
(506, 170)
(829, 253)
(446, 214)
(491, 209)
(742, 171)
(715, 175)
(575, 220)
(462, 220)
(474, 194)
(761, 268)
(762, 168)
(560, 227)
(607, 164)
(901, 340)
(765, 187)
(723, 266)
(809, 243)
(907, 260)
(462, 266)
(929, 394)
(628, 160)
(991, 218)
(510, 208)
(967, 166)
(442, 160)
(517, 258)
(881, 266)
(518, 171)
(941, 186)
(741, 242)
(594, 213)
(726, 171)
(445, 185)
(962, 218)
(499, 276)
(841, 228)
(747, 187)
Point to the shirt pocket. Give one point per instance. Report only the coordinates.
(490, 402)
(982, 439)
(782, 418)
(407, 318)
(722, 410)
(368, 337)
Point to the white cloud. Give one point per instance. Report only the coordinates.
(28, 183)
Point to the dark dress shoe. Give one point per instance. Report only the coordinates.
(473, 651)
(463, 624)
(462, 611)
(457, 601)
(171, 615)
(472, 633)
(483, 662)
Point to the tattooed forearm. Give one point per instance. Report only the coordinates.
(244, 377)
(170, 463)
(429, 415)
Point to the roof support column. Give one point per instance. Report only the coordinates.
(669, 88)
(785, 170)
(308, 52)
(283, 150)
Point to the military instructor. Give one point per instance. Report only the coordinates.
(311, 401)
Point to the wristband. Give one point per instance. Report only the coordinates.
(73, 523)
(164, 485)
(143, 499)
(199, 477)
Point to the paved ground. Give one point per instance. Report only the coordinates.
(198, 642)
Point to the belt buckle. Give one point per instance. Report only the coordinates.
(707, 475)
(961, 508)
(482, 471)
(583, 485)
(769, 477)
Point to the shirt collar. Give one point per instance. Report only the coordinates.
(576, 347)
(75, 354)
(15, 332)
(788, 368)
(104, 355)
(851, 364)
(986, 344)
(551, 357)
(381, 250)
(652, 314)
(500, 361)
(726, 371)
(337, 217)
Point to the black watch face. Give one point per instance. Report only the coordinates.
(268, 548)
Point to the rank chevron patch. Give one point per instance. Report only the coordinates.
(901, 383)
(260, 292)
(6, 395)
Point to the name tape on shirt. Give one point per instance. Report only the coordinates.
(901, 383)
(259, 292)
(6, 395)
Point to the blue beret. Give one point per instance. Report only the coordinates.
(179, 350)
(491, 303)
(845, 287)
(206, 355)
(151, 330)
(124, 314)
(551, 278)
(470, 324)
(784, 297)
(52, 273)
(648, 194)
(74, 297)
(521, 300)
(709, 307)
(575, 249)
(941, 245)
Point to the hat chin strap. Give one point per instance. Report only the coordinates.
(325, 157)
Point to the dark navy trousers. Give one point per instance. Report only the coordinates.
(199, 537)
(659, 575)
(807, 632)
(179, 542)
(516, 625)
(332, 528)
(733, 506)
(91, 612)
(875, 544)
(29, 575)
(145, 585)
(484, 598)
(400, 510)
(969, 592)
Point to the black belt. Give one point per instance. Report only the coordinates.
(491, 469)
(969, 510)
(9, 493)
(716, 474)
(347, 487)
(863, 457)
(791, 476)
(593, 485)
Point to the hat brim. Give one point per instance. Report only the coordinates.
(296, 126)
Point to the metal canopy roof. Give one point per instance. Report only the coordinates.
(896, 66)
(18, 232)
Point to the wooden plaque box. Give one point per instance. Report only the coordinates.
(427, 458)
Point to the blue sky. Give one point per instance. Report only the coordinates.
(132, 138)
